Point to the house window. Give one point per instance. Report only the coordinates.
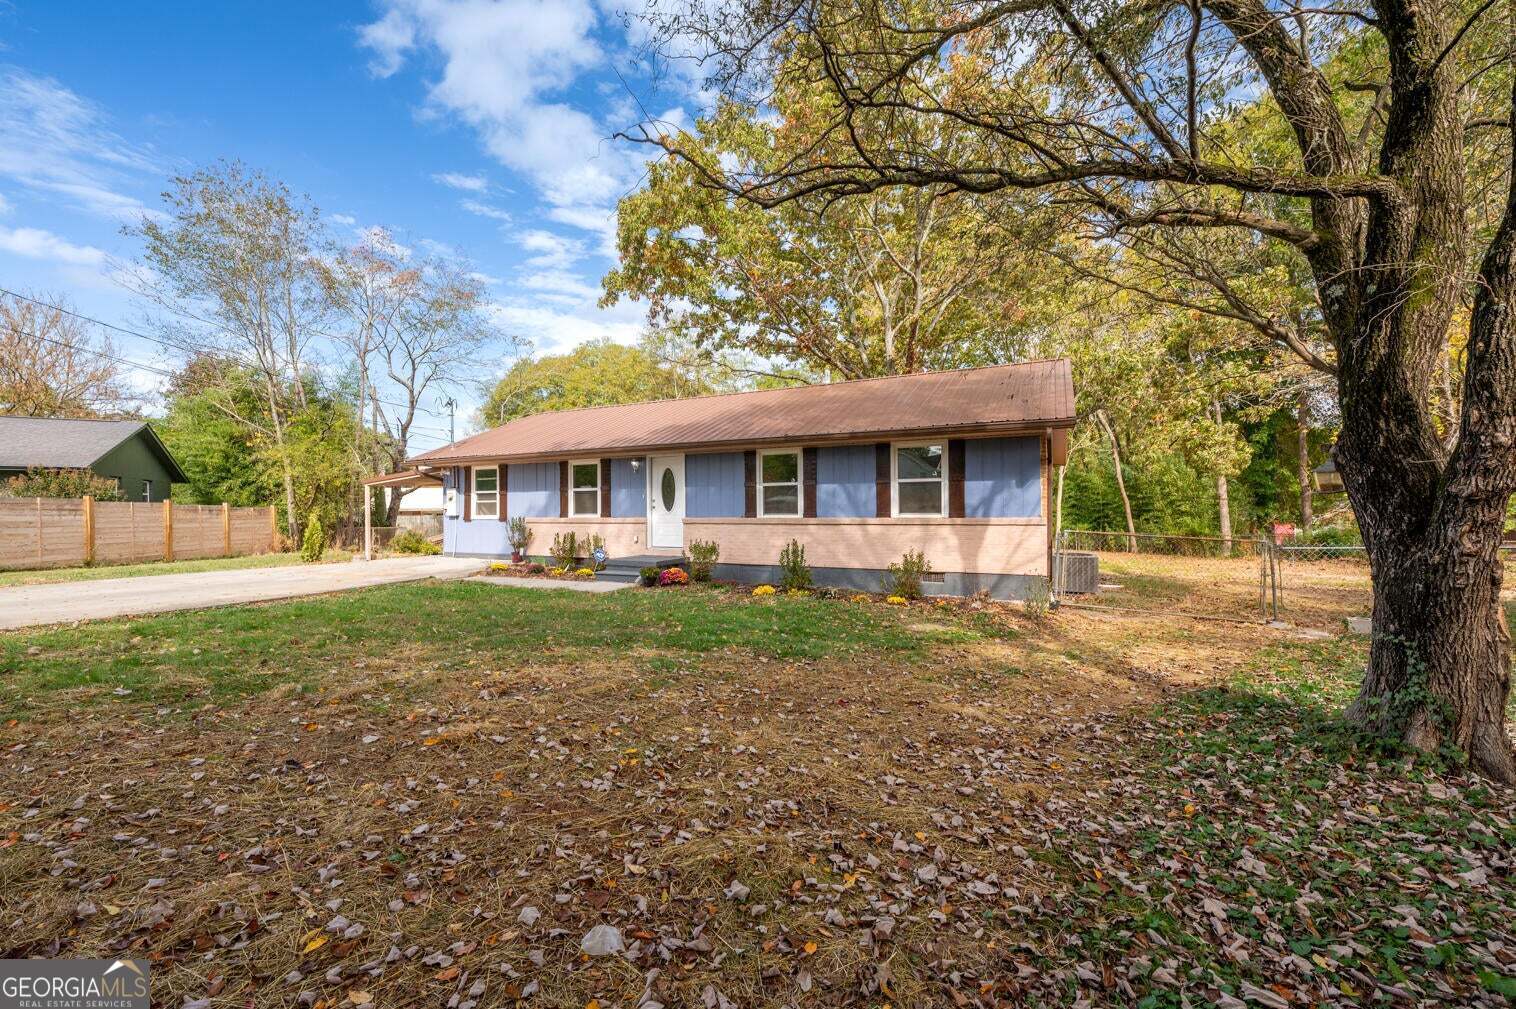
(147, 490)
(920, 480)
(584, 481)
(779, 483)
(486, 492)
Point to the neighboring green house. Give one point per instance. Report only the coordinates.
(126, 451)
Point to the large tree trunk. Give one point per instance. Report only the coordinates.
(1439, 665)
(1303, 460)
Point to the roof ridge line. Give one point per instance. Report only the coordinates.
(754, 392)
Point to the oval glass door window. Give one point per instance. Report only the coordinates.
(668, 490)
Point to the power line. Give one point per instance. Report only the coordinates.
(128, 362)
(171, 346)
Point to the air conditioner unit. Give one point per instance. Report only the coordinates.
(1076, 572)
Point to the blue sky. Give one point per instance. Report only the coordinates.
(470, 128)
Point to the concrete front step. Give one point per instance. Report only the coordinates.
(629, 569)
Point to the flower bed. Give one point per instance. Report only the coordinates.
(533, 569)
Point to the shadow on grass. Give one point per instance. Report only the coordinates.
(1273, 850)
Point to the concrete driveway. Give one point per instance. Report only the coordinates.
(66, 602)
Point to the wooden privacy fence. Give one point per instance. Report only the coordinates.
(67, 532)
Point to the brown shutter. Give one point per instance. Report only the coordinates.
(605, 488)
(957, 456)
(502, 484)
(808, 480)
(563, 488)
(468, 481)
(882, 480)
(750, 485)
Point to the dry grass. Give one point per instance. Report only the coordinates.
(883, 816)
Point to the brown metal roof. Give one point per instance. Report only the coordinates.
(1030, 396)
(402, 478)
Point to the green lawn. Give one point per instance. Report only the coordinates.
(238, 651)
(92, 573)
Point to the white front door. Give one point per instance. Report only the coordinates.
(665, 501)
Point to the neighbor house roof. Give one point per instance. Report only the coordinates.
(57, 443)
(1005, 398)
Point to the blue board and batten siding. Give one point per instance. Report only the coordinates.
(532, 490)
(628, 489)
(1002, 478)
(715, 486)
(845, 482)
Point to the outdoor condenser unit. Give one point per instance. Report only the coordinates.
(1077, 572)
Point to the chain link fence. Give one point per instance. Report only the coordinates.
(1205, 576)
(1245, 578)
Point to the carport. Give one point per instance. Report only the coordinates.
(406, 478)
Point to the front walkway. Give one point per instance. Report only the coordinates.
(66, 602)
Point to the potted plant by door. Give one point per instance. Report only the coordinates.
(519, 536)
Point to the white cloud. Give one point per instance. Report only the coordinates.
(55, 141)
(554, 331)
(5, 206)
(485, 210)
(505, 69)
(550, 251)
(457, 180)
(344, 219)
(34, 243)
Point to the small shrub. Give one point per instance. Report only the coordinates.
(409, 541)
(315, 539)
(565, 548)
(896, 600)
(1039, 599)
(673, 576)
(585, 573)
(39, 482)
(794, 572)
(764, 590)
(905, 577)
(703, 557)
(588, 545)
(536, 568)
(499, 567)
(828, 592)
(650, 574)
(861, 598)
(518, 535)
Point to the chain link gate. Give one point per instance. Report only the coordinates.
(1233, 578)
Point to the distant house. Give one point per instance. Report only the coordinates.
(955, 464)
(126, 451)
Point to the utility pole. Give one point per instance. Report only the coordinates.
(452, 405)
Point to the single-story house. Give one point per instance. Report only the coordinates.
(126, 451)
(955, 464)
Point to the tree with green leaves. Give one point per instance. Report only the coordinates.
(233, 264)
(598, 373)
(1395, 196)
(893, 282)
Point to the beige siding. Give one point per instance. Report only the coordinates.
(623, 537)
(975, 546)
